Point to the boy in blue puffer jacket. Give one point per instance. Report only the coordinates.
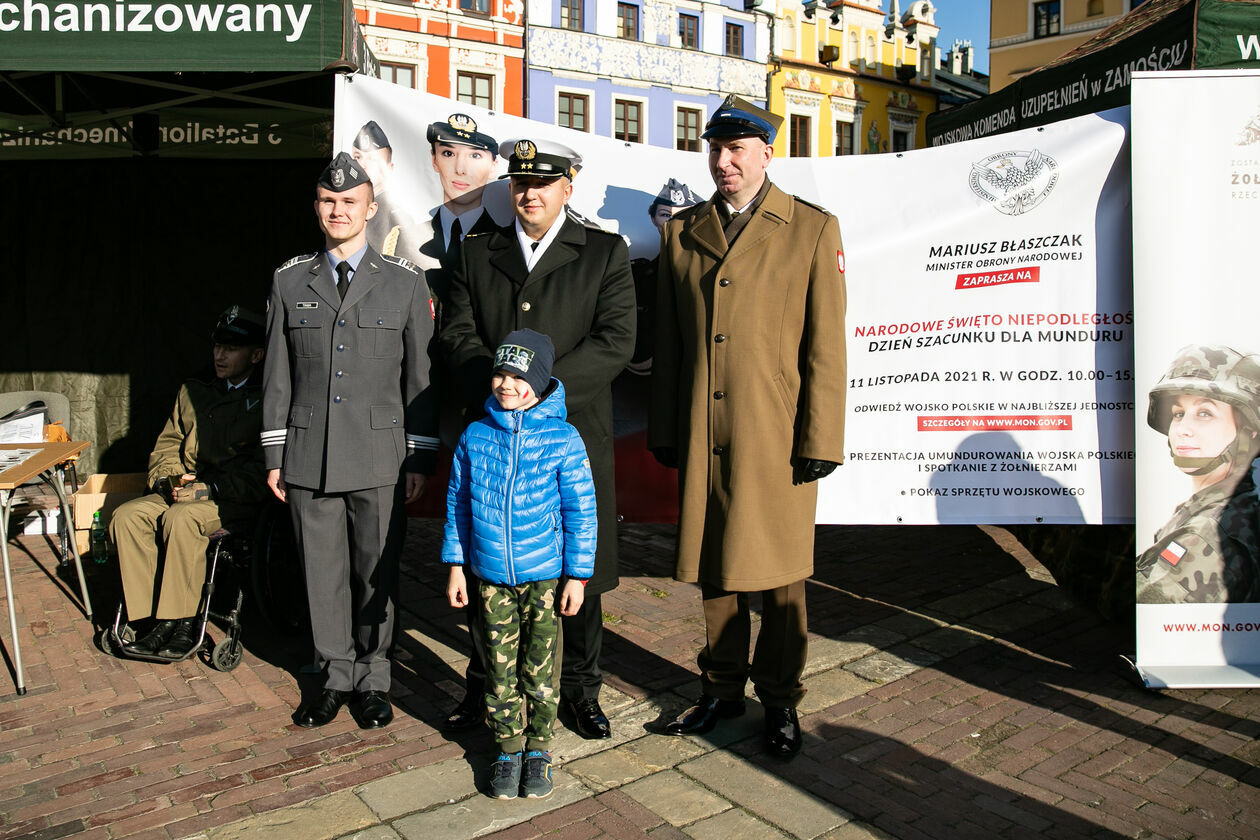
(520, 512)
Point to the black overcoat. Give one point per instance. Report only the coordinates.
(580, 294)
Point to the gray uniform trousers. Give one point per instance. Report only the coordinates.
(350, 544)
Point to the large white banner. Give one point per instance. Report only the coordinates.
(1196, 210)
(990, 313)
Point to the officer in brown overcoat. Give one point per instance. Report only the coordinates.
(748, 390)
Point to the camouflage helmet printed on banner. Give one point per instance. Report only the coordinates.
(1209, 370)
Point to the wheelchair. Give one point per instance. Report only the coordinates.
(262, 560)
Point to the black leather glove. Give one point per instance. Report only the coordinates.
(666, 456)
(815, 469)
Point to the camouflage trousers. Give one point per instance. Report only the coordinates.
(519, 630)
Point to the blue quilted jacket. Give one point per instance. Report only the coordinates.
(521, 503)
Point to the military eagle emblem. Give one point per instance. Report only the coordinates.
(1014, 182)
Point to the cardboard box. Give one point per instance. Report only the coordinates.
(103, 492)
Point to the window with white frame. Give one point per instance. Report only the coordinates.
(628, 120)
(572, 111)
(475, 89)
(687, 134)
(399, 74)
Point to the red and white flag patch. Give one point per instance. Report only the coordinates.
(840, 261)
(1173, 553)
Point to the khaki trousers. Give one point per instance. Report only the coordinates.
(779, 658)
(141, 529)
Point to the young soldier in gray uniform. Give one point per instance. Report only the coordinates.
(348, 409)
(748, 389)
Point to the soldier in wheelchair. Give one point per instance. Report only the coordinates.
(206, 471)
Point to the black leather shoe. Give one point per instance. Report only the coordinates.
(323, 709)
(783, 732)
(470, 712)
(703, 716)
(374, 710)
(182, 639)
(153, 641)
(589, 719)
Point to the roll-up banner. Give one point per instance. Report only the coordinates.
(1196, 210)
(990, 318)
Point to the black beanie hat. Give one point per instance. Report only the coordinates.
(529, 355)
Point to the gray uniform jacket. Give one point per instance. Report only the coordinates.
(347, 396)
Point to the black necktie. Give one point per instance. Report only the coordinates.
(343, 278)
(456, 231)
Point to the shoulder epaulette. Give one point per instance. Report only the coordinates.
(811, 204)
(402, 262)
(299, 259)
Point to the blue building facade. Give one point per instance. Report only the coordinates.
(644, 71)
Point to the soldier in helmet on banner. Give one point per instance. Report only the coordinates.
(1208, 404)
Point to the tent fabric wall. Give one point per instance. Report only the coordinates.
(119, 272)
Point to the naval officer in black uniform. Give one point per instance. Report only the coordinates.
(349, 434)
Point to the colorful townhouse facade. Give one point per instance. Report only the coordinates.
(643, 71)
(467, 50)
(854, 77)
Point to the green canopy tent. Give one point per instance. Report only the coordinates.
(1093, 77)
(160, 161)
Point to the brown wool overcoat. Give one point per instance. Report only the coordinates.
(748, 380)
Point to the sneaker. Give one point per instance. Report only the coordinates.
(505, 776)
(537, 783)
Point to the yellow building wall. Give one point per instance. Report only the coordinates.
(874, 88)
(1014, 18)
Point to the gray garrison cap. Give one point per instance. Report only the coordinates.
(343, 173)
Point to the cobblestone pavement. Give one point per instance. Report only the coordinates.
(954, 691)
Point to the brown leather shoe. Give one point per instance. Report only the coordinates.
(703, 716)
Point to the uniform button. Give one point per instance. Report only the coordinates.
(717, 395)
(525, 307)
(341, 347)
(303, 321)
(379, 322)
(336, 399)
(338, 374)
(719, 338)
(341, 322)
(395, 421)
(724, 282)
(719, 450)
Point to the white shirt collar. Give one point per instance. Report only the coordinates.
(533, 255)
(466, 221)
(734, 210)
